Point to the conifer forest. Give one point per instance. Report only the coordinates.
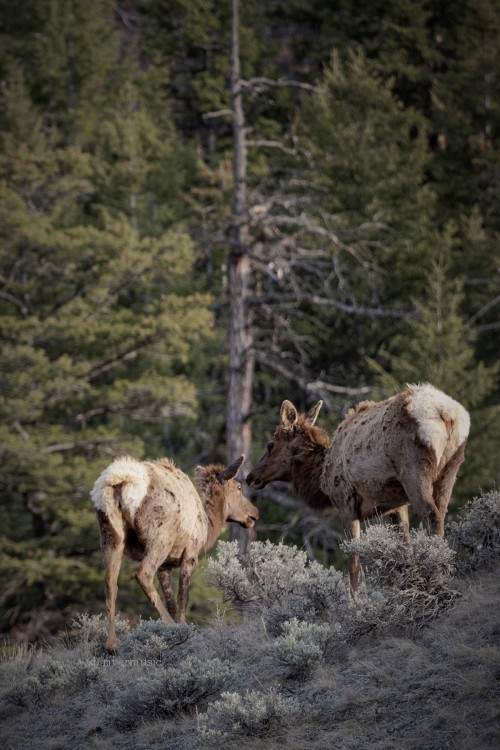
(207, 207)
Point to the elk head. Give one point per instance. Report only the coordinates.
(277, 462)
(221, 483)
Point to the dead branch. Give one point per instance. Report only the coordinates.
(325, 302)
(123, 357)
(217, 114)
(263, 143)
(316, 387)
(76, 445)
(15, 301)
(256, 85)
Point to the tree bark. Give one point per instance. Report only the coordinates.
(241, 369)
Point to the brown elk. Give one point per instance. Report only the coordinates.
(382, 457)
(151, 511)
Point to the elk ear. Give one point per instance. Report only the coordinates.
(232, 470)
(288, 414)
(201, 474)
(312, 414)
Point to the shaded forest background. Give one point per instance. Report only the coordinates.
(372, 194)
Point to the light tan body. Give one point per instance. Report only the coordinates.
(152, 512)
(382, 457)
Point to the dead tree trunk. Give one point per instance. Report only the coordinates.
(241, 369)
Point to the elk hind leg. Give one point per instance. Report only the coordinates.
(145, 578)
(417, 483)
(112, 545)
(443, 485)
(165, 578)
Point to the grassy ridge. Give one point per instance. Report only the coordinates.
(414, 664)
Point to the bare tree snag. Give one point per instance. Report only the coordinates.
(241, 369)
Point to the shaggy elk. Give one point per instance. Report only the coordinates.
(382, 457)
(151, 511)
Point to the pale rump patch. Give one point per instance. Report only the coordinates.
(134, 478)
(443, 423)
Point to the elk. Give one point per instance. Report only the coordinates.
(382, 458)
(151, 511)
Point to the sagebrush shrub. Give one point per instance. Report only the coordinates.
(92, 631)
(54, 676)
(415, 580)
(278, 582)
(476, 537)
(255, 714)
(157, 640)
(301, 647)
(170, 691)
(373, 608)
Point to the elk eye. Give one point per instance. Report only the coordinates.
(239, 487)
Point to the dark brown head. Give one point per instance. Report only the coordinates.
(219, 489)
(292, 434)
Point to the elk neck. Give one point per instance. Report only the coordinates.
(216, 525)
(307, 468)
(213, 501)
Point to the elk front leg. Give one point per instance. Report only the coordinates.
(188, 566)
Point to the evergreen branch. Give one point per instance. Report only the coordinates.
(123, 285)
(40, 527)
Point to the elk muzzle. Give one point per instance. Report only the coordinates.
(254, 481)
(252, 518)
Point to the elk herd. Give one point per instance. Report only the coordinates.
(384, 457)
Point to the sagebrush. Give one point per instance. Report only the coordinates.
(305, 666)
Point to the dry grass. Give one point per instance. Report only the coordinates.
(390, 686)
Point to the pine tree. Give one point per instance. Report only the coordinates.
(104, 339)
